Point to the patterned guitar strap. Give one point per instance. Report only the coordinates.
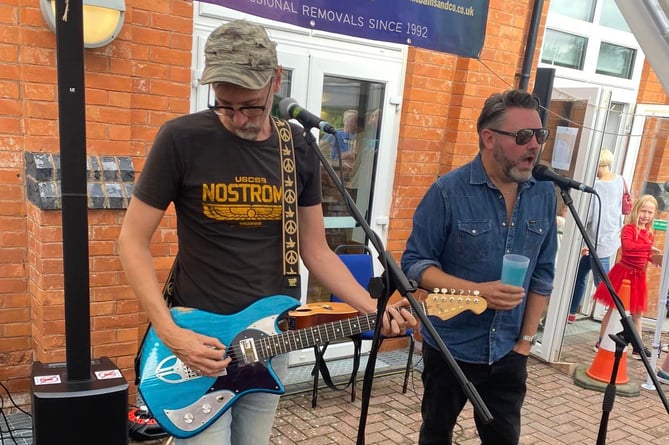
(291, 256)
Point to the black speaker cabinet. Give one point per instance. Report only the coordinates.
(88, 411)
(543, 89)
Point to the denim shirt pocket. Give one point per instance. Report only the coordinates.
(536, 233)
(473, 240)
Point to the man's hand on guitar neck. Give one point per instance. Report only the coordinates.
(397, 319)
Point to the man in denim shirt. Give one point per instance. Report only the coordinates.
(462, 228)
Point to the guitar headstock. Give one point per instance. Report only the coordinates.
(445, 303)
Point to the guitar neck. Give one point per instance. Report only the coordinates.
(318, 335)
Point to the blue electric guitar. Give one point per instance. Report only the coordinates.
(184, 402)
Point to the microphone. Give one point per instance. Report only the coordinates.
(544, 173)
(289, 109)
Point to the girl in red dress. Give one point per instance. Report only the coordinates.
(637, 250)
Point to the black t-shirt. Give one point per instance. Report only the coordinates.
(227, 193)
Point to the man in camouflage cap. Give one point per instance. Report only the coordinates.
(239, 53)
(221, 169)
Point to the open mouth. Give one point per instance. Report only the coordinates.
(527, 161)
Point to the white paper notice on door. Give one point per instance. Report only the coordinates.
(565, 140)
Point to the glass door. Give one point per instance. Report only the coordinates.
(577, 120)
(354, 95)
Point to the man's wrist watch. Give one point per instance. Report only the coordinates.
(532, 339)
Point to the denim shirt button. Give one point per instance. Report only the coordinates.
(513, 224)
(474, 231)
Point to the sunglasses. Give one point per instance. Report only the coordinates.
(525, 135)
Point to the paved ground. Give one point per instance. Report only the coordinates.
(556, 411)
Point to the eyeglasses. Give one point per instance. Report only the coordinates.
(249, 111)
(525, 135)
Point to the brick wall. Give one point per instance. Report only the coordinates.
(132, 86)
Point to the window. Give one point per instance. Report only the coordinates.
(577, 9)
(611, 16)
(616, 60)
(563, 49)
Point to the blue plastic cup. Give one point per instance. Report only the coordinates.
(514, 268)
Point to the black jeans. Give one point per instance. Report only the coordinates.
(502, 387)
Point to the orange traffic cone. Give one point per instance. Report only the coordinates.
(602, 366)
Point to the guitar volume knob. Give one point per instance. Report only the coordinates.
(206, 408)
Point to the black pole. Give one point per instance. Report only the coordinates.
(531, 44)
(91, 392)
(72, 126)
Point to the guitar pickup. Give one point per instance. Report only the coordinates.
(248, 349)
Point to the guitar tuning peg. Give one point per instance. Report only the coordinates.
(444, 290)
(462, 291)
(452, 291)
(476, 293)
(435, 290)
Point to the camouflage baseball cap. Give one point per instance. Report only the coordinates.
(240, 53)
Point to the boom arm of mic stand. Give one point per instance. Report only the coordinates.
(403, 286)
(629, 331)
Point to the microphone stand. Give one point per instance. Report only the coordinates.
(393, 279)
(628, 335)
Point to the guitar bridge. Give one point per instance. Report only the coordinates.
(201, 413)
(248, 350)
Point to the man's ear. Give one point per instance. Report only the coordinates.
(277, 78)
(487, 137)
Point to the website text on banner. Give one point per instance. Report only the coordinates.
(456, 27)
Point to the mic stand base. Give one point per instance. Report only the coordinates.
(582, 380)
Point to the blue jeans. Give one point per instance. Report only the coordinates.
(248, 421)
(502, 387)
(584, 267)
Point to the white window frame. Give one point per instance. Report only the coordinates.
(624, 90)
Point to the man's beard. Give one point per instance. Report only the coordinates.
(248, 131)
(509, 168)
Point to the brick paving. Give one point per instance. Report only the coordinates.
(556, 410)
